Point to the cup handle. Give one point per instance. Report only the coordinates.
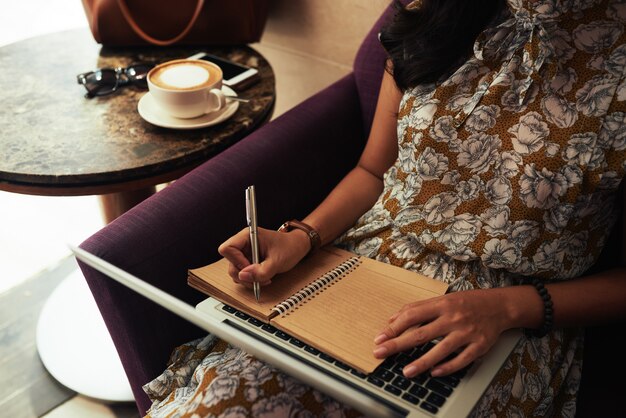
(217, 100)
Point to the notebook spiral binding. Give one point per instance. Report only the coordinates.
(317, 286)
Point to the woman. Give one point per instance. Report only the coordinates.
(494, 170)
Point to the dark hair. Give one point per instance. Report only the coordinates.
(429, 41)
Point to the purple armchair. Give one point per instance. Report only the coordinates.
(294, 161)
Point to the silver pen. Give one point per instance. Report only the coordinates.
(254, 237)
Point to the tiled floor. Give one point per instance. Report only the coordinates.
(35, 230)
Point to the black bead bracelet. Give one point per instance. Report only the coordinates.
(548, 312)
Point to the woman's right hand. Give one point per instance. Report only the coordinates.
(279, 252)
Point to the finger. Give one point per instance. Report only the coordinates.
(251, 285)
(415, 314)
(246, 277)
(432, 357)
(406, 319)
(233, 272)
(240, 240)
(236, 258)
(262, 272)
(466, 357)
(409, 306)
(411, 337)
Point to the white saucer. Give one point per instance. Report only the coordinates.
(152, 113)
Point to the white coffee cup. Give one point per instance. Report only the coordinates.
(187, 88)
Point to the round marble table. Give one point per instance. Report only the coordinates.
(56, 142)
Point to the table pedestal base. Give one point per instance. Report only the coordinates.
(75, 346)
(72, 340)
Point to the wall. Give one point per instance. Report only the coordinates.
(326, 29)
(312, 43)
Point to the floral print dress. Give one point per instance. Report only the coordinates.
(507, 170)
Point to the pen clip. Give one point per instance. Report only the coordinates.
(248, 208)
(251, 208)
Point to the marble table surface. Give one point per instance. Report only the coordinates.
(54, 141)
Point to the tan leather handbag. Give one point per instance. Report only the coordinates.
(180, 22)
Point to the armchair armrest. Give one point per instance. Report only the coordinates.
(293, 161)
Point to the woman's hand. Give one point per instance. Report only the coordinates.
(468, 322)
(279, 252)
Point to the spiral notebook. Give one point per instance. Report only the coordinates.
(332, 300)
(378, 394)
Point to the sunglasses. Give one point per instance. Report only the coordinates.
(104, 81)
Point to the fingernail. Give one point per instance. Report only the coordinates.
(380, 338)
(436, 372)
(244, 276)
(410, 371)
(380, 351)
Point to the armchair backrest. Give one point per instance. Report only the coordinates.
(369, 66)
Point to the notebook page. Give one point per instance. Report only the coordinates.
(214, 280)
(344, 319)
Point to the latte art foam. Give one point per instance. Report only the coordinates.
(184, 75)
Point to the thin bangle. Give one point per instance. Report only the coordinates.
(548, 312)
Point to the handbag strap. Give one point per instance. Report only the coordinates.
(152, 40)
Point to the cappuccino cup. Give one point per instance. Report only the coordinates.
(187, 88)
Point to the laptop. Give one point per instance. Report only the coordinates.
(383, 393)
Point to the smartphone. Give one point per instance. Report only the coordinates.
(235, 75)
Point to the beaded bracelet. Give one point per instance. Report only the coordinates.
(548, 312)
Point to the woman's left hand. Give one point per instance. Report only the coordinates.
(468, 322)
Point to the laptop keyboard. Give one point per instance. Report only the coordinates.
(427, 392)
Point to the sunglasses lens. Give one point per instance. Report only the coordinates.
(137, 74)
(101, 82)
